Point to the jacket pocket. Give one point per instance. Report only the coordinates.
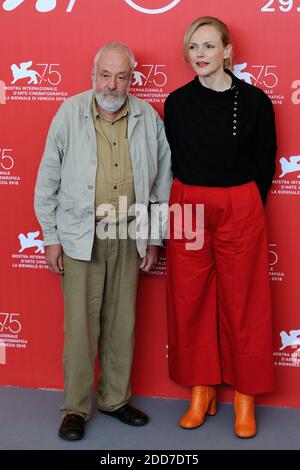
(65, 203)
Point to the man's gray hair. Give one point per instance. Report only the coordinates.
(111, 46)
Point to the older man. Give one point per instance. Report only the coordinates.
(103, 145)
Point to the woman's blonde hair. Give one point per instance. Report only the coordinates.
(210, 21)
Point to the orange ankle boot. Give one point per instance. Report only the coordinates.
(203, 402)
(245, 424)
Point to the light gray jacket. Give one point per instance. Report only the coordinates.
(65, 188)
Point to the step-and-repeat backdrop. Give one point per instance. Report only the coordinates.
(47, 48)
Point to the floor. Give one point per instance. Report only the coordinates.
(29, 421)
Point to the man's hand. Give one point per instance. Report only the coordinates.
(54, 258)
(150, 259)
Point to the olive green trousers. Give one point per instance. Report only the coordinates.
(99, 318)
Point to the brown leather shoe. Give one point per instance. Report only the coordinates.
(203, 402)
(72, 427)
(245, 424)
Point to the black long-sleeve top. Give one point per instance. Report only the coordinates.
(221, 138)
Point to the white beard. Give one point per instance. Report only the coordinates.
(111, 104)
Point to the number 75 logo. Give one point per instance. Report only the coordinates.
(263, 75)
(47, 73)
(10, 323)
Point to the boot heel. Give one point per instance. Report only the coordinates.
(244, 408)
(212, 409)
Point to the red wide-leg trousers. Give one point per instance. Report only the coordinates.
(218, 296)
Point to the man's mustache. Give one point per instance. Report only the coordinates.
(110, 93)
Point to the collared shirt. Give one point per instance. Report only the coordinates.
(114, 173)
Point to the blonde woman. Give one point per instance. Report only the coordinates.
(223, 142)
